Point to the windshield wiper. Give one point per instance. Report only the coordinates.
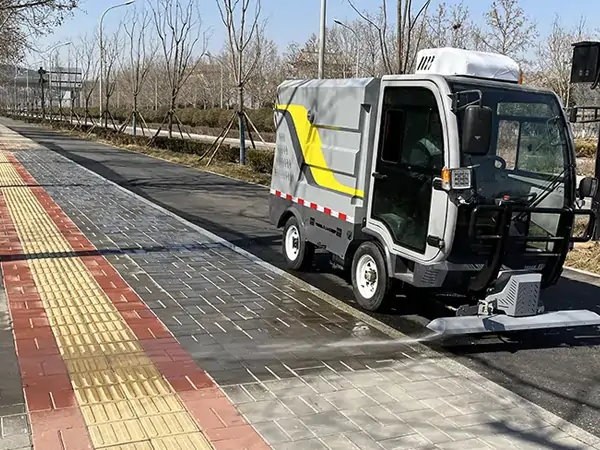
(546, 191)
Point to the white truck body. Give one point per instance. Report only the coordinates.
(369, 160)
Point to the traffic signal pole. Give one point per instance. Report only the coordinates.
(585, 69)
(41, 73)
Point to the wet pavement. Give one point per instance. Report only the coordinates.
(115, 288)
(558, 371)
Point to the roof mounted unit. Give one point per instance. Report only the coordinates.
(456, 61)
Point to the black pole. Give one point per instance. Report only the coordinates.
(42, 72)
(596, 199)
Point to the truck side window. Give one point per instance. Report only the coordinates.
(393, 122)
(412, 130)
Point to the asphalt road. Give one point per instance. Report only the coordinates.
(558, 371)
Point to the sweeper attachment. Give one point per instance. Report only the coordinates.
(456, 179)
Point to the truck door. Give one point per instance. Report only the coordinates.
(404, 208)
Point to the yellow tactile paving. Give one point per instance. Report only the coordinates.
(125, 401)
(192, 441)
(8, 175)
(135, 446)
(107, 412)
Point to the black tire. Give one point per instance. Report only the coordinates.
(369, 253)
(305, 250)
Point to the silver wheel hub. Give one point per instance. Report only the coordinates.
(367, 276)
(292, 243)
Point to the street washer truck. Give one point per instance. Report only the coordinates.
(456, 179)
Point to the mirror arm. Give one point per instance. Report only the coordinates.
(455, 97)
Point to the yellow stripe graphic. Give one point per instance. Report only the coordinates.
(126, 403)
(312, 149)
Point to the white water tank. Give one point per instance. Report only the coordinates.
(456, 61)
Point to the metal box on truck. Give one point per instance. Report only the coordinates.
(322, 162)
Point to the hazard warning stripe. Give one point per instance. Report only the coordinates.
(323, 209)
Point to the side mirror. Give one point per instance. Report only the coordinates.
(573, 114)
(588, 187)
(477, 130)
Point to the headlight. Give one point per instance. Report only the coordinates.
(457, 179)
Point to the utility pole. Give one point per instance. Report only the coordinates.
(322, 37)
(42, 72)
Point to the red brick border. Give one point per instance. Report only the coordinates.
(215, 414)
(56, 420)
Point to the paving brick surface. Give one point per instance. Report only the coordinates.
(14, 425)
(304, 374)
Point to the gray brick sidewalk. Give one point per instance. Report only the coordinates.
(303, 373)
(15, 432)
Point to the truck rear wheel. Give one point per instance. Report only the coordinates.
(298, 253)
(370, 281)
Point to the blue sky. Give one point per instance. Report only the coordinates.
(296, 20)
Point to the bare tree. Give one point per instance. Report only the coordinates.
(179, 30)
(339, 59)
(112, 54)
(40, 16)
(371, 63)
(90, 74)
(13, 40)
(345, 48)
(449, 27)
(140, 59)
(411, 29)
(216, 81)
(23, 20)
(509, 31)
(553, 58)
(380, 25)
(239, 38)
(408, 35)
(262, 84)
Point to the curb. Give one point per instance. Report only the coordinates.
(582, 272)
(449, 364)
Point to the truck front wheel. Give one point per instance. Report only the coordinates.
(298, 253)
(370, 281)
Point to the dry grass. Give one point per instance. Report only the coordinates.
(586, 166)
(243, 173)
(232, 170)
(585, 257)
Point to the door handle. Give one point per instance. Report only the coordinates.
(379, 176)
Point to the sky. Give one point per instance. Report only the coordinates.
(296, 20)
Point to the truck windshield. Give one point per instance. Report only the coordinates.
(529, 154)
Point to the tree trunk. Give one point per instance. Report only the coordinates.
(241, 125)
(87, 111)
(106, 108)
(171, 112)
(135, 113)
